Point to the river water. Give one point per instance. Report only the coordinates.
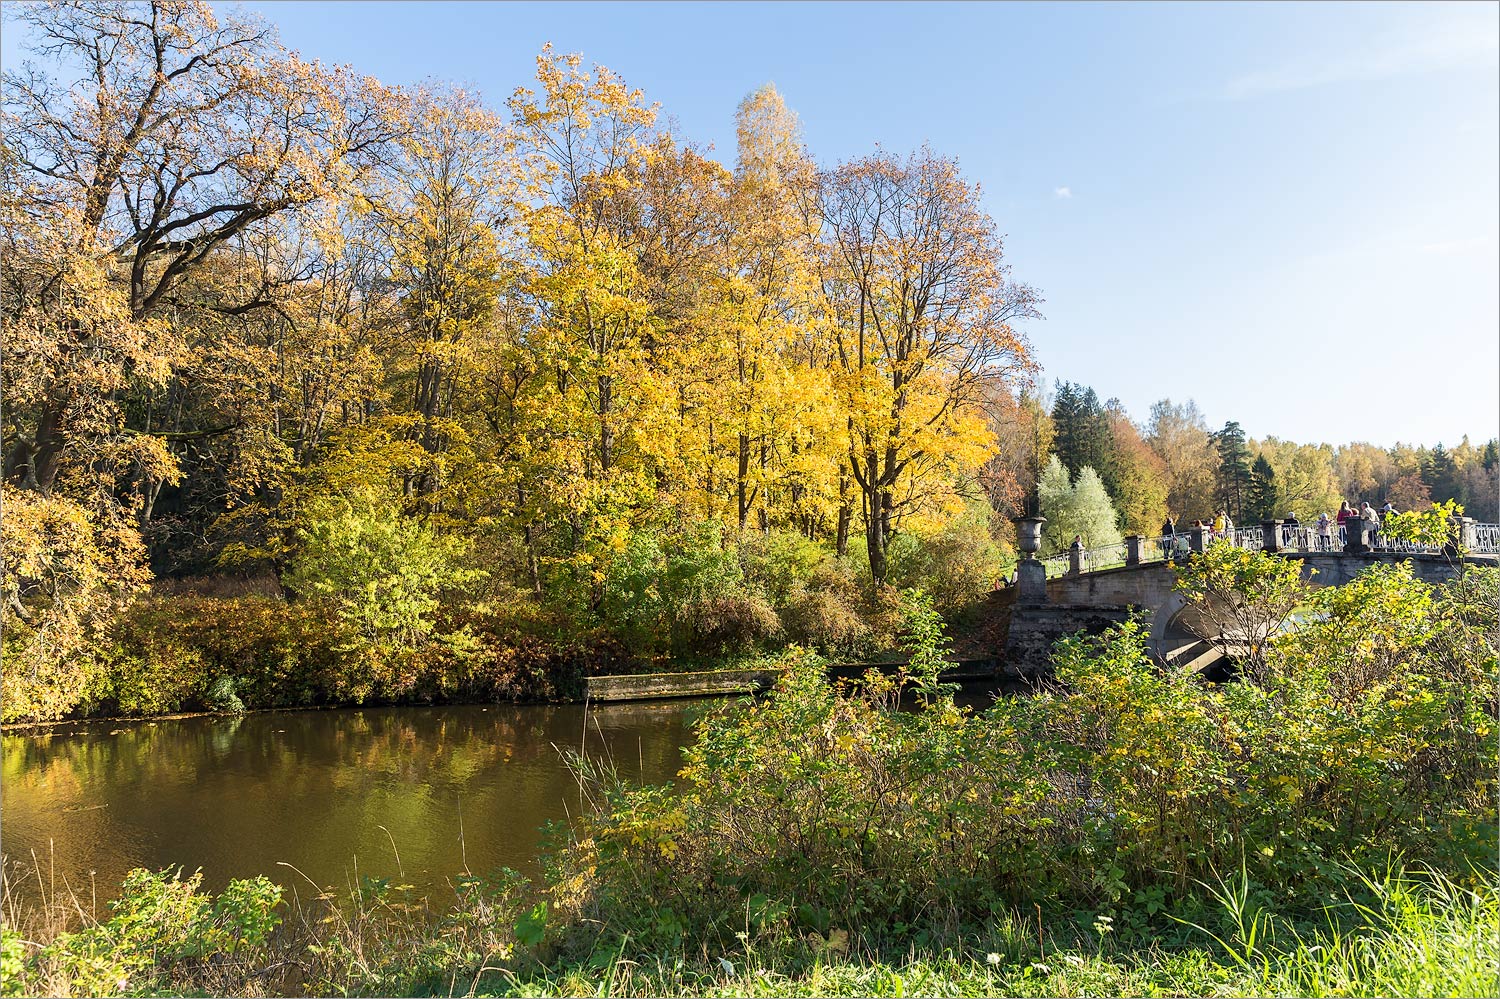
(336, 794)
(416, 795)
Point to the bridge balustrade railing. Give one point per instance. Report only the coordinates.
(1248, 537)
(1057, 564)
(1485, 539)
(1104, 557)
(1381, 543)
(1182, 545)
(1307, 538)
(1158, 549)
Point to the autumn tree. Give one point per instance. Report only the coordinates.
(443, 205)
(1179, 435)
(1303, 477)
(1409, 492)
(1363, 470)
(140, 187)
(786, 439)
(1139, 475)
(583, 135)
(924, 315)
(181, 132)
(1024, 435)
(1481, 484)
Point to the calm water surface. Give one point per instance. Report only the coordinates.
(330, 792)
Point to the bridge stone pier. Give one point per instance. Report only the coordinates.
(1076, 596)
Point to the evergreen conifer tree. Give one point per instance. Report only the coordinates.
(1440, 473)
(1083, 433)
(1234, 469)
(1261, 504)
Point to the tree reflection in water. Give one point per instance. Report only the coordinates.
(237, 795)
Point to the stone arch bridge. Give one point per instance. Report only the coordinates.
(1084, 589)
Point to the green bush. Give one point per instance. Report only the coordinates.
(687, 594)
(382, 571)
(778, 561)
(824, 611)
(163, 934)
(956, 566)
(1119, 792)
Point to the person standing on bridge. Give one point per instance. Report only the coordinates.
(1325, 532)
(1168, 538)
(1368, 515)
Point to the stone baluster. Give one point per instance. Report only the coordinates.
(1132, 549)
(1271, 535)
(1075, 558)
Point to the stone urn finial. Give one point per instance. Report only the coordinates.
(1029, 535)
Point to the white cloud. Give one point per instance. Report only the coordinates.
(1062, 192)
(1454, 247)
(1446, 44)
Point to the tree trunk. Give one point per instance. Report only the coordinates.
(875, 541)
(606, 432)
(742, 470)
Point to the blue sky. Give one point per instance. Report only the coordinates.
(1290, 213)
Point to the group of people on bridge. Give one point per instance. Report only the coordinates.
(1325, 534)
(1174, 542)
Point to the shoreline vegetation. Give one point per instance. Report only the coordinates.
(187, 653)
(1323, 823)
(1410, 933)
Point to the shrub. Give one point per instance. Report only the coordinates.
(1244, 596)
(1120, 791)
(686, 593)
(170, 653)
(66, 571)
(956, 566)
(164, 933)
(382, 571)
(776, 562)
(823, 611)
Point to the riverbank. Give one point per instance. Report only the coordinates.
(1415, 934)
(184, 654)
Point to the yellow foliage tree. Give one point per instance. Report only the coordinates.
(924, 314)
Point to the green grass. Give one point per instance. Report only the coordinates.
(1417, 935)
(1421, 938)
(1399, 934)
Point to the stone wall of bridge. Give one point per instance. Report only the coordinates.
(1091, 601)
(1149, 586)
